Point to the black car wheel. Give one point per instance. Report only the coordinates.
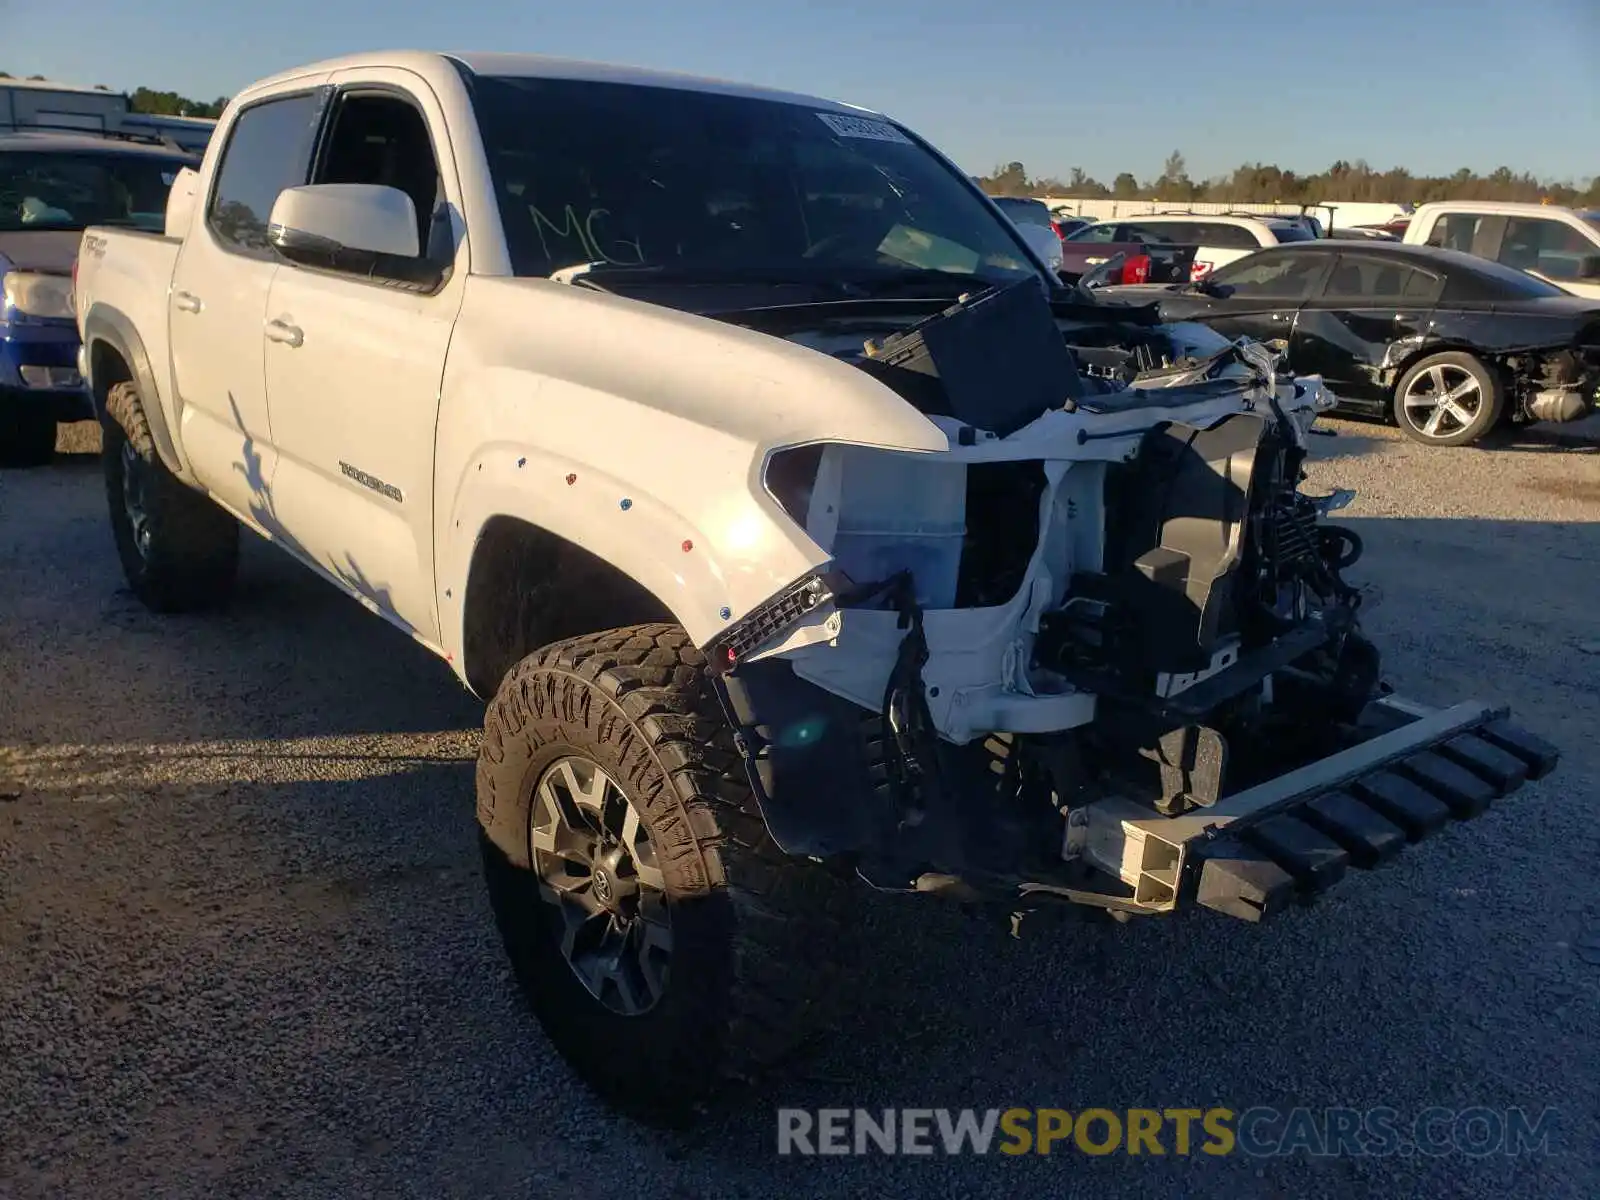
(1449, 399)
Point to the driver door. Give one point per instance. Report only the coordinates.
(354, 366)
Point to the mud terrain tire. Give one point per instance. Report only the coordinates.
(179, 550)
(752, 931)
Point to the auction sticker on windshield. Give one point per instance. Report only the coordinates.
(863, 127)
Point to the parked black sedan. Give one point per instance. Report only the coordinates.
(1445, 344)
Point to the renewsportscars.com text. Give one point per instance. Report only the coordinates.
(1216, 1131)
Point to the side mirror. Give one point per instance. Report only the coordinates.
(180, 202)
(355, 228)
(1589, 266)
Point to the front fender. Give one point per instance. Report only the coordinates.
(640, 433)
(709, 569)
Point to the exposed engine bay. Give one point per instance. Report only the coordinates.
(1107, 606)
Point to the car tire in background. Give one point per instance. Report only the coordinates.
(27, 438)
(664, 941)
(179, 550)
(1473, 399)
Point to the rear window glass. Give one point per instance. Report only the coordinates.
(1289, 231)
(1224, 236)
(1485, 280)
(1161, 232)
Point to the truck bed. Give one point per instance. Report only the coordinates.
(130, 271)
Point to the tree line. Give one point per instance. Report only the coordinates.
(163, 104)
(1261, 183)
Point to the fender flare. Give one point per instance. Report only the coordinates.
(107, 325)
(655, 546)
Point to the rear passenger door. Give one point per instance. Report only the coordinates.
(218, 301)
(1366, 304)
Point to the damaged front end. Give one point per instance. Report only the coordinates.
(1102, 649)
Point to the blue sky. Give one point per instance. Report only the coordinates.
(1429, 84)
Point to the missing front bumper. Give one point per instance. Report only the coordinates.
(1294, 837)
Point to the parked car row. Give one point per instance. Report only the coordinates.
(1174, 247)
(53, 184)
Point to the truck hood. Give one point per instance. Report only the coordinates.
(752, 387)
(50, 250)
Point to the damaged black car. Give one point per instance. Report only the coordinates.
(1446, 345)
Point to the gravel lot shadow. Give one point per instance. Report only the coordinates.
(1546, 439)
(1363, 434)
(1349, 440)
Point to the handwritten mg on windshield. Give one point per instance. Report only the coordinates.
(589, 234)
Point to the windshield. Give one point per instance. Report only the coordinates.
(61, 189)
(653, 177)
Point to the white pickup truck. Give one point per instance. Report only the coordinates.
(796, 525)
(1561, 245)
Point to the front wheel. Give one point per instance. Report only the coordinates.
(662, 939)
(1449, 399)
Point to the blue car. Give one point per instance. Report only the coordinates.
(51, 186)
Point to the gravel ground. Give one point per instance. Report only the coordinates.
(244, 949)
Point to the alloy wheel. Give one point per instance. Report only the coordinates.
(598, 871)
(1443, 400)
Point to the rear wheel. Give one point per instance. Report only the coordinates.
(1449, 399)
(27, 438)
(179, 550)
(663, 940)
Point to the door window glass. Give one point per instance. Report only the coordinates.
(1552, 248)
(1270, 276)
(269, 149)
(383, 139)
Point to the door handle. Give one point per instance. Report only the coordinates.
(282, 331)
(186, 302)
